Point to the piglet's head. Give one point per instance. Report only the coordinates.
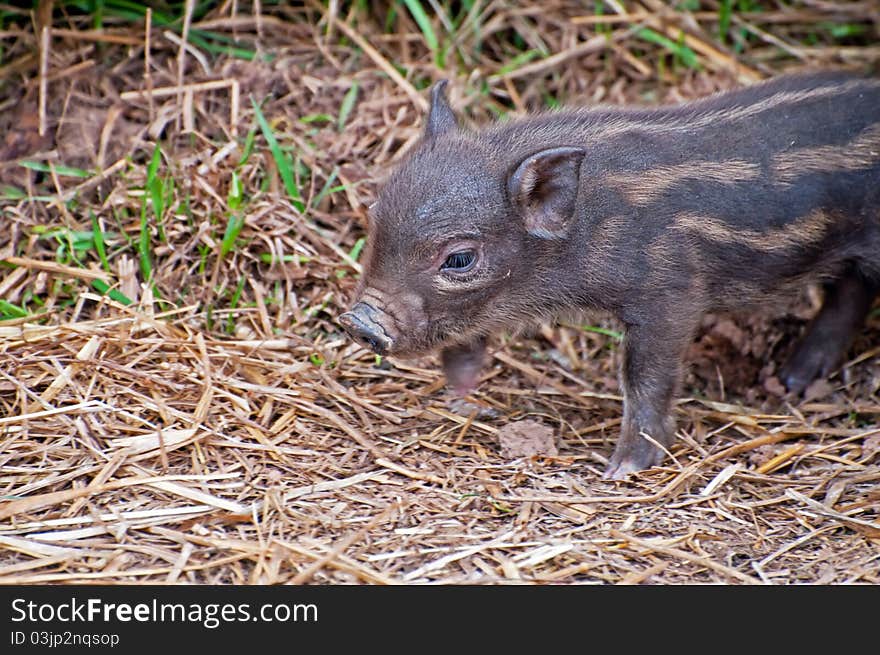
(464, 239)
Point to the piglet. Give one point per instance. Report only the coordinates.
(655, 216)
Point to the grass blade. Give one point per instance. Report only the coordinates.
(285, 166)
(8, 311)
(617, 336)
(684, 53)
(358, 247)
(9, 192)
(248, 147)
(520, 60)
(233, 228)
(234, 199)
(102, 287)
(724, 14)
(327, 189)
(316, 118)
(98, 239)
(233, 304)
(347, 105)
(424, 23)
(155, 184)
(66, 171)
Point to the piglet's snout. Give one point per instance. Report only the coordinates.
(362, 325)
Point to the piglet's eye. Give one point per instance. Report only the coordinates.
(459, 262)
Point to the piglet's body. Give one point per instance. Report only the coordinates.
(654, 215)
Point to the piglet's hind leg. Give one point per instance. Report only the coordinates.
(847, 301)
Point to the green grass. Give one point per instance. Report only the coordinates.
(143, 246)
(520, 60)
(679, 50)
(725, 11)
(73, 248)
(156, 185)
(282, 161)
(269, 258)
(347, 105)
(446, 40)
(155, 196)
(843, 31)
(233, 304)
(67, 171)
(248, 147)
(316, 309)
(316, 118)
(355, 252)
(215, 43)
(10, 311)
(327, 189)
(98, 240)
(72, 244)
(235, 220)
(115, 294)
(617, 336)
(11, 193)
(424, 22)
(353, 255)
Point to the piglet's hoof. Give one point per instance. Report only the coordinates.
(632, 458)
(620, 470)
(806, 365)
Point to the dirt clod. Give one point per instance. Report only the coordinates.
(527, 438)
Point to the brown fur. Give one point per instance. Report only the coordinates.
(654, 215)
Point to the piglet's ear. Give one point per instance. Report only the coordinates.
(441, 118)
(544, 188)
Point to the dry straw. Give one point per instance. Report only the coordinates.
(221, 429)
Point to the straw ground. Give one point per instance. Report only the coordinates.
(183, 205)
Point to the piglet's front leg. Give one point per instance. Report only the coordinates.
(462, 365)
(650, 371)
